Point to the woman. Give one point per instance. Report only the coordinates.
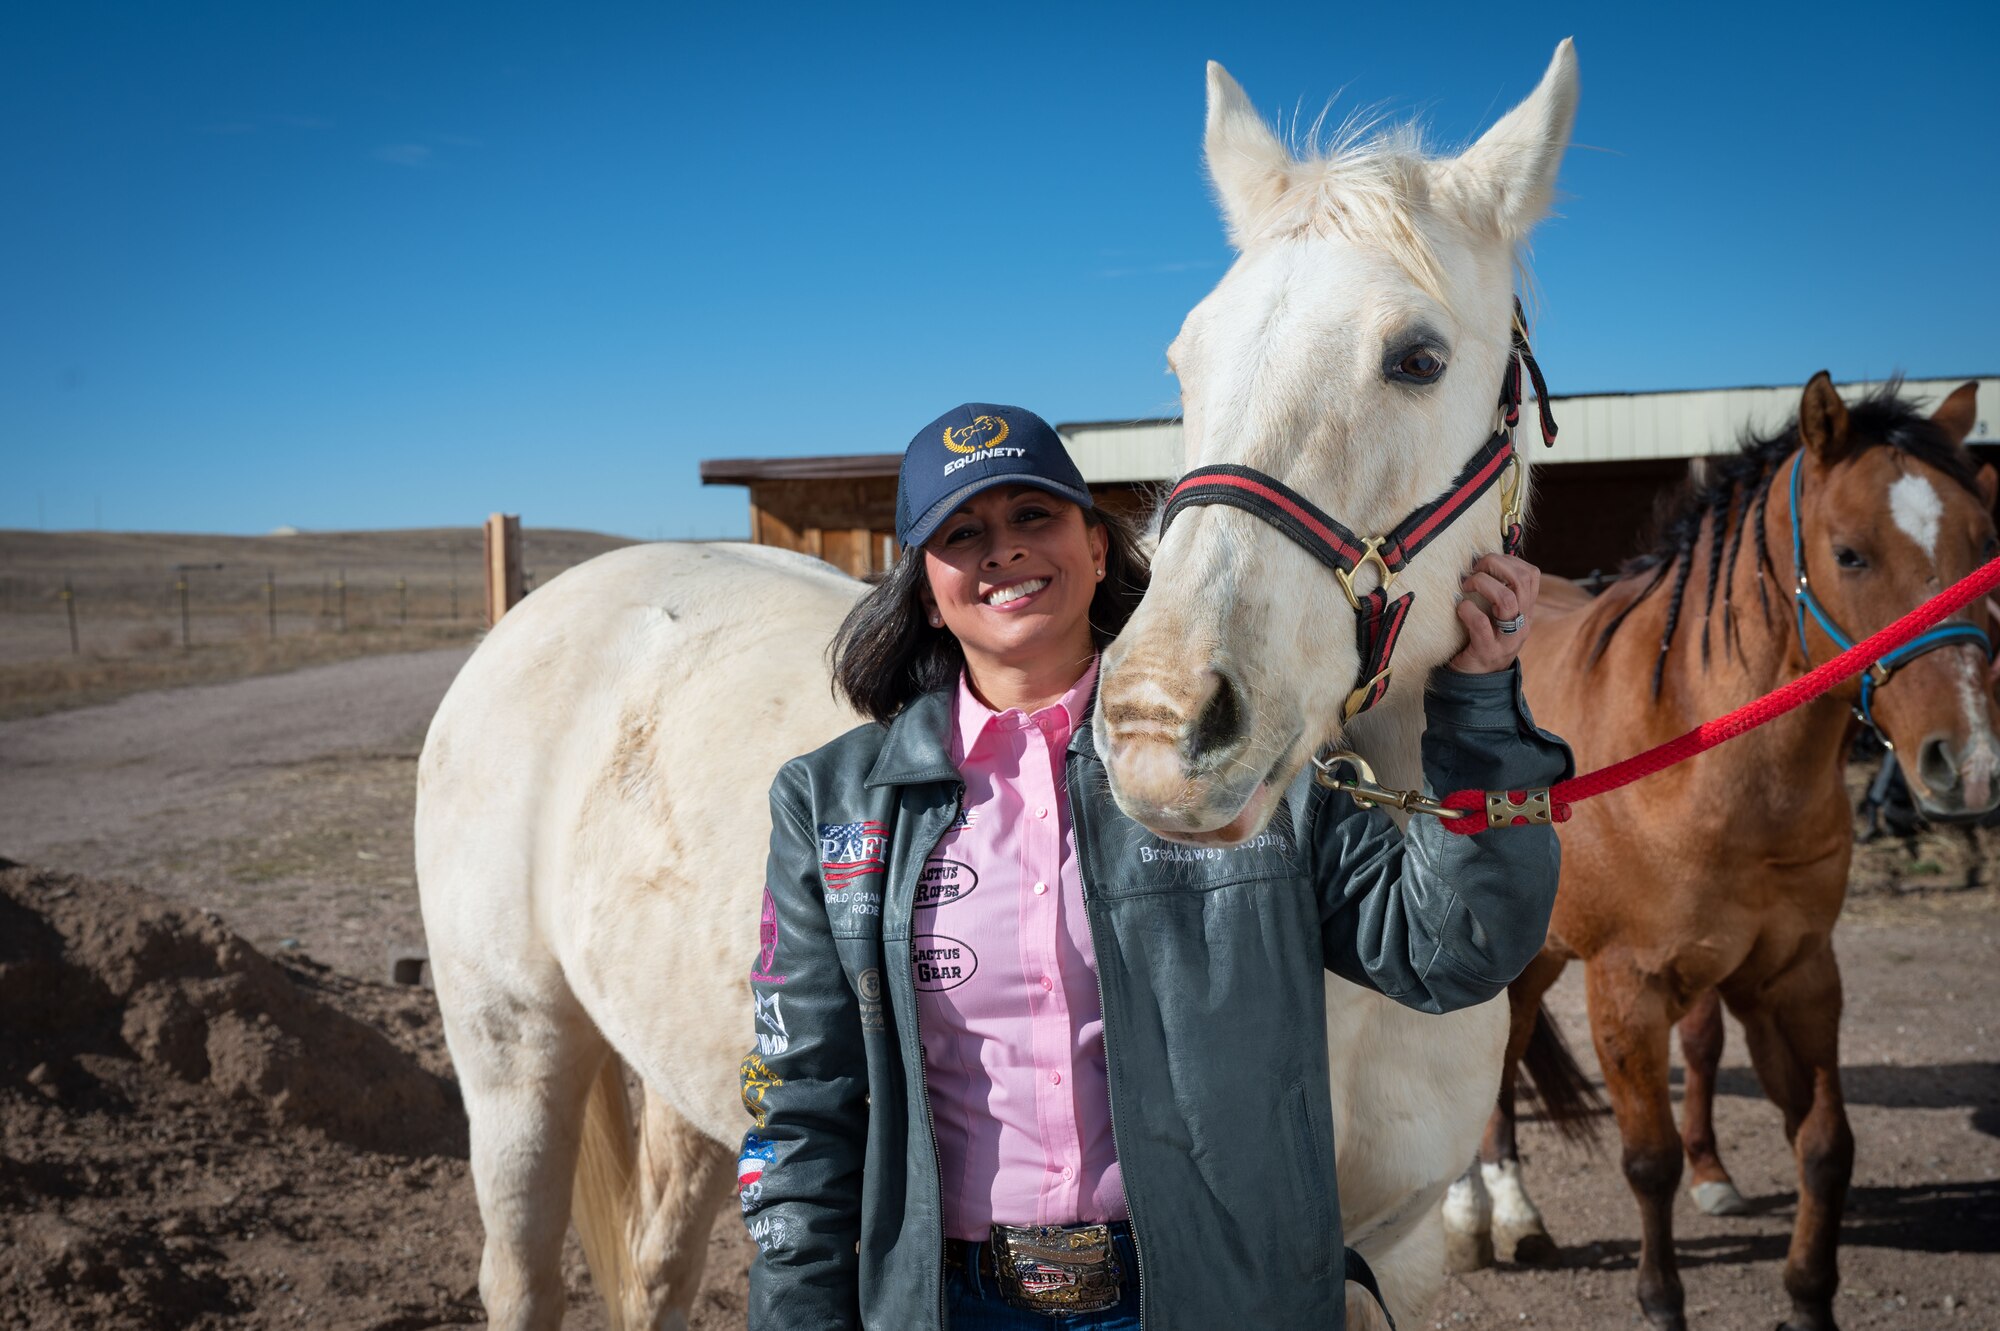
(1022, 1063)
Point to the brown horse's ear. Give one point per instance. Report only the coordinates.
(1989, 483)
(1823, 420)
(1958, 413)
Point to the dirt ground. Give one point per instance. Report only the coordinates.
(168, 1160)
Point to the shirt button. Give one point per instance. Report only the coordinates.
(1042, 811)
(1068, 1172)
(1040, 888)
(1055, 1079)
(1047, 983)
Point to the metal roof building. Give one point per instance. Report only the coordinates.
(1596, 427)
(1596, 491)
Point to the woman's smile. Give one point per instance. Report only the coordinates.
(1010, 597)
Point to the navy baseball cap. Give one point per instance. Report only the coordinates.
(975, 447)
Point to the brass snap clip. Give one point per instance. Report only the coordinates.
(1368, 792)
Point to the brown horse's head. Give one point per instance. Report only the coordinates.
(1892, 510)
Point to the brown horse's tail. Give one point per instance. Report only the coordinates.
(1569, 1100)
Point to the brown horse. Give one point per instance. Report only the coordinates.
(1726, 875)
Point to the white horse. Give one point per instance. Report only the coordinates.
(591, 823)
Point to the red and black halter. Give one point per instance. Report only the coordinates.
(1379, 616)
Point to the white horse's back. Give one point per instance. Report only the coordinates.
(590, 839)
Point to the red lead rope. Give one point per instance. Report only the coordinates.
(1745, 718)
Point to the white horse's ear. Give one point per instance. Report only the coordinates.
(1505, 181)
(1250, 168)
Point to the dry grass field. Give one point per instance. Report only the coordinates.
(255, 604)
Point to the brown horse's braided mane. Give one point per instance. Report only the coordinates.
(1883, 419)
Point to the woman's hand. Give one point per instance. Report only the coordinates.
(1509, 587)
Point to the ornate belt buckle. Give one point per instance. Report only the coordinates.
(1056, 1271)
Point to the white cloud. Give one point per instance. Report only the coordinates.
(403, 154)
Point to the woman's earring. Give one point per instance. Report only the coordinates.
(937, 621)
(1100, 573)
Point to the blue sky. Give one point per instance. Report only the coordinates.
(366, 265)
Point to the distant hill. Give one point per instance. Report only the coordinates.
(426, 556)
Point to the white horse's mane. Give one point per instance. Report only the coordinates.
(1366, 179)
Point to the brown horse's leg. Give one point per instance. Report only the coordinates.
(1519, 1234)
(1701, 1048)
(1630, 1017)
(1793, 1028)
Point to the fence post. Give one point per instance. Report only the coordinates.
(69, 604)
(340, 592)
(181, 586)
(503, 565)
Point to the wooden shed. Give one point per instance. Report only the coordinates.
(843, 508)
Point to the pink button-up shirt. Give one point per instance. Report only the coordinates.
(1006, 982)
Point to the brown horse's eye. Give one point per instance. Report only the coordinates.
(1849, 558)
(1421, 364)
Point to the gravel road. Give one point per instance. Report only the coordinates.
(281, 800)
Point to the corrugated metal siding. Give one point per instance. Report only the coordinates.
(1595, 428)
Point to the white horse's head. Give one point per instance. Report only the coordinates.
(1355, 352)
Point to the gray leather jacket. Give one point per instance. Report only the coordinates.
(1210, 966)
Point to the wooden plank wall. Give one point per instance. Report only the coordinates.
(851, 523)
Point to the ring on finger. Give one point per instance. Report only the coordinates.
(1513, 625)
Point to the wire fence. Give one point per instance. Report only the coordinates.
(188, 606)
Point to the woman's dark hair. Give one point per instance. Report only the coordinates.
(886, 653)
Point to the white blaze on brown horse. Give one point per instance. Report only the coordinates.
(1726, 875)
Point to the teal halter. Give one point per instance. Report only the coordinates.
(1804, 602)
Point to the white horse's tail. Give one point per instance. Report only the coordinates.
(604, 1189)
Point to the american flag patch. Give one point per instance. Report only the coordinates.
(851, 851)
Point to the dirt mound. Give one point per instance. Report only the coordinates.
(193, 1135)
(94, 968)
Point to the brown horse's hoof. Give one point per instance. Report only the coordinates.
(1719, 1198)
(1525, 1245)
(1813, 1321)
(1467, 1252)
(1536, 1250)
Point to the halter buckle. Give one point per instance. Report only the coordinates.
(1367, 792)
(1371, 553)
(1358, 699)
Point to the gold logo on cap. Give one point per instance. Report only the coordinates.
(984, 432)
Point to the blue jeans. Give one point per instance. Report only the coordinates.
(974, 1305)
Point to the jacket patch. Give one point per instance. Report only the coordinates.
(944, 881)
(868, 990)
(767, 944)
(769, 1232)
(757, 1078)
(772, 1037)
(941, 963)
(849, 852)
(759, 1154)
(1169, 852)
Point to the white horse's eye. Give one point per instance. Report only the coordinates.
(1418, 365)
